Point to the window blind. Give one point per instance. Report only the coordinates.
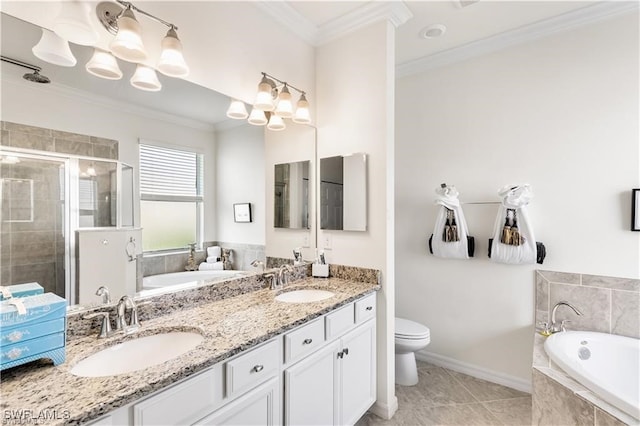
(172, 173)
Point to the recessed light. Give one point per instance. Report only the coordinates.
(433, 31)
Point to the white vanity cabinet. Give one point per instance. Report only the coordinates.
(336, 384)
(321, 373)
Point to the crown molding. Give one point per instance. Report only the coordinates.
(565, 22)
(106, 102)
(395, 12)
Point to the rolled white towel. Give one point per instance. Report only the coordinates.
(212, 259)
(214, 251)
(217, 266)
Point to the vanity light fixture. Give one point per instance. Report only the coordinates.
(273, 103)
(145, 78)
(54, 49)
(171, 61)
(237, 110)
(104, 64)
(72, 24)
(127, 44)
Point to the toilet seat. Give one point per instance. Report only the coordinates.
(410, 330)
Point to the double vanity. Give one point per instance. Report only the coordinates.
(241, 355)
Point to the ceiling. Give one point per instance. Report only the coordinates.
(477, 21)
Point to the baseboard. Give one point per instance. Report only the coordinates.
(385, 411)
(475, 371)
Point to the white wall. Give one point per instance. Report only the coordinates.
(560, 113)
(239, 178)
(53, 107)
(355, 85)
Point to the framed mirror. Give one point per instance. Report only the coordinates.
(291, 195)
(343, 193)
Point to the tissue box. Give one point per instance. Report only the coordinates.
(37, 333)
(320, 270)
(22, 290)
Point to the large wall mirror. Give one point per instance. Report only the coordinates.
(235, 163)
(291, 195)
(343, 193)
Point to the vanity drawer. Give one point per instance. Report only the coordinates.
(366, 308)
(31, 331)
(253, 368)
(181, 404)
(336, 323)
(304, 340)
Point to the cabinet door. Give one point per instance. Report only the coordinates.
(358, 372)
(261, 406)
(309, 388)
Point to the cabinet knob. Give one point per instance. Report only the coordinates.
(307, 341)
(369, 308)
(346, 351)
(258, 368)
(340, 354)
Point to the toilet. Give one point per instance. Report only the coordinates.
(410, 337)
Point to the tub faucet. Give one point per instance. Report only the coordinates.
(104, 292)
(121, 325)
(258, 264)
(555, 328)
(283, 279)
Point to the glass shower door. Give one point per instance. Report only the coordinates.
(34, 221)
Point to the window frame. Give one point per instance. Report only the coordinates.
(198, 199)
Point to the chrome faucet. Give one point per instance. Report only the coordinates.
(105, 324)
(121, 325)
(258, 264)
(554, 327)
(104, 292)
(283, 279)
(272, 278)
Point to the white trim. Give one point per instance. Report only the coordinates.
(383, 410)
(565, 22)
(475, 371)
(106, 102)
(395, 12)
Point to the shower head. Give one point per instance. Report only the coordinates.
(36, 77)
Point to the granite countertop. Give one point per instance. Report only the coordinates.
(229, 326)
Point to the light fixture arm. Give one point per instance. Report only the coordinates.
(284, 83)
(20, 64)
(130, 5)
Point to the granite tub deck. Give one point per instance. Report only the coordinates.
(229, 326)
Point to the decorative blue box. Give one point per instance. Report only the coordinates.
(38, 332)
(21, 290)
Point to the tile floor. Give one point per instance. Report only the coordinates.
(445, 397)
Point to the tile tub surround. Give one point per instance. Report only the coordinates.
(164, 263)
(609, 305)
(230, 325)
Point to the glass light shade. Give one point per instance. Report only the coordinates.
(302, 115)
(171, 61)
(73, 23)
(127, 44)
(257, 117)
(54, 49)
(104, 65)
(237, 110)
(145, 78)
(285, 107)
(276, 123)
(264, 99)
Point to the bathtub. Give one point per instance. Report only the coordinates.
(606, 364)
(188, 277)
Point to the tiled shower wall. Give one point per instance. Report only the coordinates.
(609, 305)
(33, 250)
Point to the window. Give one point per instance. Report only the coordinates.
(171, 197)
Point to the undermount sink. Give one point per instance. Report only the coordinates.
(137, 354)
(304, 296)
